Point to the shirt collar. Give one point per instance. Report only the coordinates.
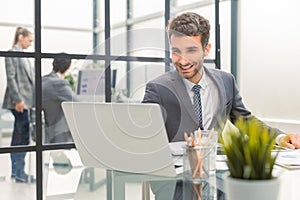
(202, 82)
(59, 75)
(18, 48)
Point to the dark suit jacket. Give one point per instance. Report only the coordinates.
(20, 82)
(55, 90)
(169, 91)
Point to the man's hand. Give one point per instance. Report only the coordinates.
(291, 141)
(20, 106)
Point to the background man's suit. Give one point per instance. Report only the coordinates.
(55, 91)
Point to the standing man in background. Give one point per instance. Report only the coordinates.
(55, 90)
(19, 98)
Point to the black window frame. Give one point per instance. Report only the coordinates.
(39, 148)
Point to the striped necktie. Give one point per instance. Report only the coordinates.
(197, 104)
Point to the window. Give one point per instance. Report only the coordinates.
(129, 40)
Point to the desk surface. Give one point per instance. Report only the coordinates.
(82, 183)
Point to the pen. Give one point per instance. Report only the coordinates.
(186, 138)
(290, 156)
(280, 148)
(188, 145)
(199, 159)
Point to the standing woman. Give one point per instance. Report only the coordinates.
(19, 98)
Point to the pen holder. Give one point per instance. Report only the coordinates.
(200, 191)
(196, 163)
(210, 138)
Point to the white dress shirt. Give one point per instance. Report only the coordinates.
(207, 92)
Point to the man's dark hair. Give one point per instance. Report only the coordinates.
(61, 63)
(190, 24)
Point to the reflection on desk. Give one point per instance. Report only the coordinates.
(95, 183)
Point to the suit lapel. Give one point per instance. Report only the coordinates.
(183, 96)
(220, 110)
(26, 64)
(181, 91)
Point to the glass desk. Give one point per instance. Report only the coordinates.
(71, 180)
(101, 184)
(80, 183)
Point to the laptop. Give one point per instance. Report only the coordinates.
(128, 137)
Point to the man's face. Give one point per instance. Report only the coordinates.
(188, 56)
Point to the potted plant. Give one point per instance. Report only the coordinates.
(250, 160)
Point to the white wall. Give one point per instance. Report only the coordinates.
(269, 51)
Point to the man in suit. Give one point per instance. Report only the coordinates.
(55, 90)
(194, 96)
(19, 98)
(219, 96)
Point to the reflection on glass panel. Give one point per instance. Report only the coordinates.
(188, 2)
(6, 126)
(118, 12)
(24, 8)
(118, 41)
(6, 39)
(7, 34)
(57, 41)
(66, 178)
(146, 42)
(131, 79)
(17, 101)
(2, 80)
(225, 35)
(6, 117)
(73, 26)
(10, 36)
(90, 80)
(63, 80)
(76, 14)
(144, 8)
(133, 34)
(9, 20)
(18, 187)
(71, 73)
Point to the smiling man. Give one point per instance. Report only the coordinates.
(194, 96)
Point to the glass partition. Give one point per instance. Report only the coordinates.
(132, 77)
(138, 27)
(137, 34)
(20, 134)
(71, 26)
(13, 14)
(13, 188)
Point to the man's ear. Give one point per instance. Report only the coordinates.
(21, 37)
(207, 49)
